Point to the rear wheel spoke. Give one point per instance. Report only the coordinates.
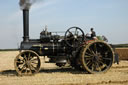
(89, 54)
(91, 51)
(92, 67)
(98, 67)
(107, 58)
(89, 63)
(88, 58)
(103, 64)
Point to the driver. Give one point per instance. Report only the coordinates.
(91, 34)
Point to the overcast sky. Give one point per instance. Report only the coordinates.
(107, 17)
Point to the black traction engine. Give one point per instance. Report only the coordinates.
(74, 48)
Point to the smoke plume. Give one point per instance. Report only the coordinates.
(26, 4)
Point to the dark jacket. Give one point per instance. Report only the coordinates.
(93, 34)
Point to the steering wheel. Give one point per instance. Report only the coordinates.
(74, 36)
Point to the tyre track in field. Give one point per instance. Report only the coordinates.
(109, 82)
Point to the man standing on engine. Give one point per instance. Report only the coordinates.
(93, 34)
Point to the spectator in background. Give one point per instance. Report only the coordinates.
(116, 58)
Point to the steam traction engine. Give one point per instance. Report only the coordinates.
(93, 56)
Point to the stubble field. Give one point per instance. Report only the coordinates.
(52, 75)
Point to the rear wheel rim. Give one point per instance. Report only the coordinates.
(97, 57)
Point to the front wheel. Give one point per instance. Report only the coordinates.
(96, 57)
(27, 63)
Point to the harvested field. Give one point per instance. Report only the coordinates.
(123, 53)
(51, 75)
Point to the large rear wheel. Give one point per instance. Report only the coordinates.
(96, 57)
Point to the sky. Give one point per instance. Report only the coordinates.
(107, 17)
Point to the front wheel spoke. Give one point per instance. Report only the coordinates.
(33, 68)
(21, 58)
(29, 56)
(19, 62)
(23, 67)
(25, 57)
(35, 59)
(26, 71)
(34, 62)
(30, 69)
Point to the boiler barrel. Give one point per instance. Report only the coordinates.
(44, 49)
(52, 50)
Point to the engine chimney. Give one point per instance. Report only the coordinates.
(26, 25)
(25, 6)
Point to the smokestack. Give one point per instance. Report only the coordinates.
(25, 6)
(26, 25)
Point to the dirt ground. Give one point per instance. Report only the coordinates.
(52, 75)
